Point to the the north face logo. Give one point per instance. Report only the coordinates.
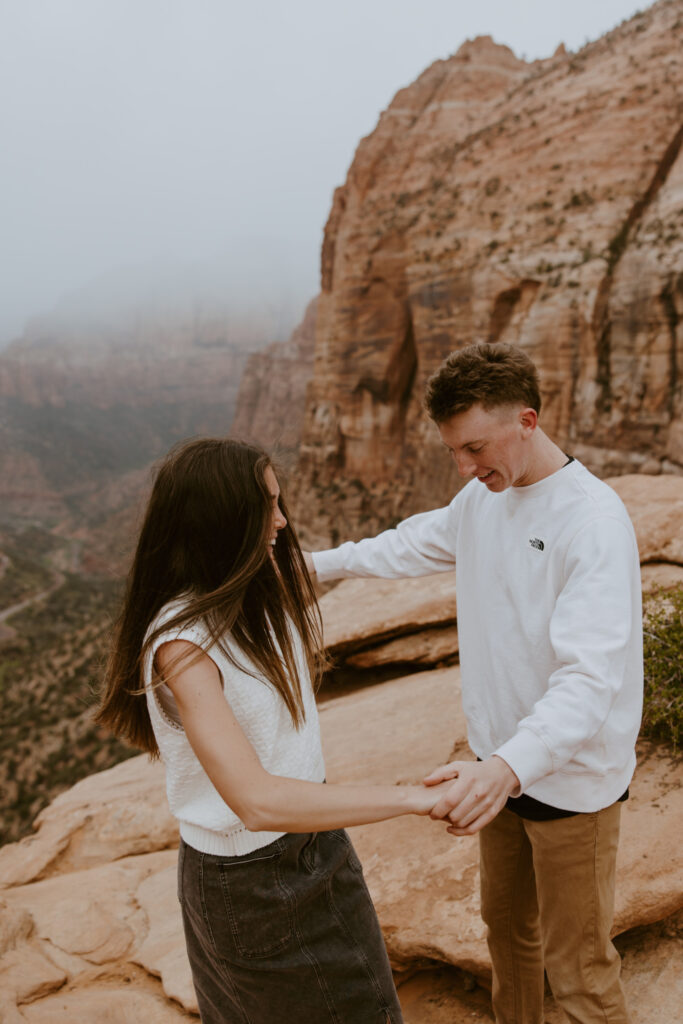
(536, 543)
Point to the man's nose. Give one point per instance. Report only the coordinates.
(465, 465)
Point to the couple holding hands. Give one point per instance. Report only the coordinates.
(214, 665)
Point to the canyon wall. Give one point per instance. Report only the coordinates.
(534, 203)
(275, 380)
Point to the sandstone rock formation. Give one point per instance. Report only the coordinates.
(94, 823)
(540, 204)
(90, 929)
(424, 648)
(661, 576)
(272, 395)
(655, 505)
(360, 613)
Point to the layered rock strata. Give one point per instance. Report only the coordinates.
(540, 204)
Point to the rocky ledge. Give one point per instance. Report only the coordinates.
(90, 927)
(89, 924)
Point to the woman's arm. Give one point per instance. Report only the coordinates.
(266, 802)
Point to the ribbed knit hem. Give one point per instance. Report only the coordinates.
(226, 844)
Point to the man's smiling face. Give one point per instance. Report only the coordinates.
(492, 444)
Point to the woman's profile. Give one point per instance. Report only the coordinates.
(213, 668)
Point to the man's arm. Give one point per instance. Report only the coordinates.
(419, 546)
(590, 631)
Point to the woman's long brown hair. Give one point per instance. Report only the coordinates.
(205, 538)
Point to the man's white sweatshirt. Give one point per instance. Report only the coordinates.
(549, 624)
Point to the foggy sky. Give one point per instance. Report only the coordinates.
(151, 142)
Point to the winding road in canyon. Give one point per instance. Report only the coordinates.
(7, 632)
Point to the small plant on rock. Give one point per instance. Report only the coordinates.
(663, 657)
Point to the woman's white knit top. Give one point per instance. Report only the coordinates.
(206, 821)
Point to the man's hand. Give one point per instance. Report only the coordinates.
(478, 793)
(308, 559)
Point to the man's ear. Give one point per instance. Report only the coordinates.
(528, 420)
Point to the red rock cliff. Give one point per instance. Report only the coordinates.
(540, 204)
(272, 395)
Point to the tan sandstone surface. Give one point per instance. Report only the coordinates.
(90, 929)
(362, 611)
(536, 203)
(655, 505)
(94, 823)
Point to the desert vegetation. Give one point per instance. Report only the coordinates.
(663, 655)
(49, 673)
(22, 575)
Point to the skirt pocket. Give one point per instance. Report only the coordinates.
(340, 835)
(257, 907)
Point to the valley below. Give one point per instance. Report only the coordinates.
(84, 415)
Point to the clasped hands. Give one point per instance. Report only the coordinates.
(478, 792)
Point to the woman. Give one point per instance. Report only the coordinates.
(216, 653)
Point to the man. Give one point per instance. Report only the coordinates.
(550, 632)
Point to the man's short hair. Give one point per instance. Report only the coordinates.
(489, 375)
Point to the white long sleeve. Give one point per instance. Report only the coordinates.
(420, 545)
(549, 624)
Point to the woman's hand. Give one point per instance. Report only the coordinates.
(426, 797)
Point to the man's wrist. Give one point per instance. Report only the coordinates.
(528, 756)
(508, 774)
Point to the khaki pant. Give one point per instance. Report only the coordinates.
(547, 898)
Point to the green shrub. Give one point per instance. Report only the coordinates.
(663, 655)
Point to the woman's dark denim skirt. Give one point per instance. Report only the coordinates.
(285, 935)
